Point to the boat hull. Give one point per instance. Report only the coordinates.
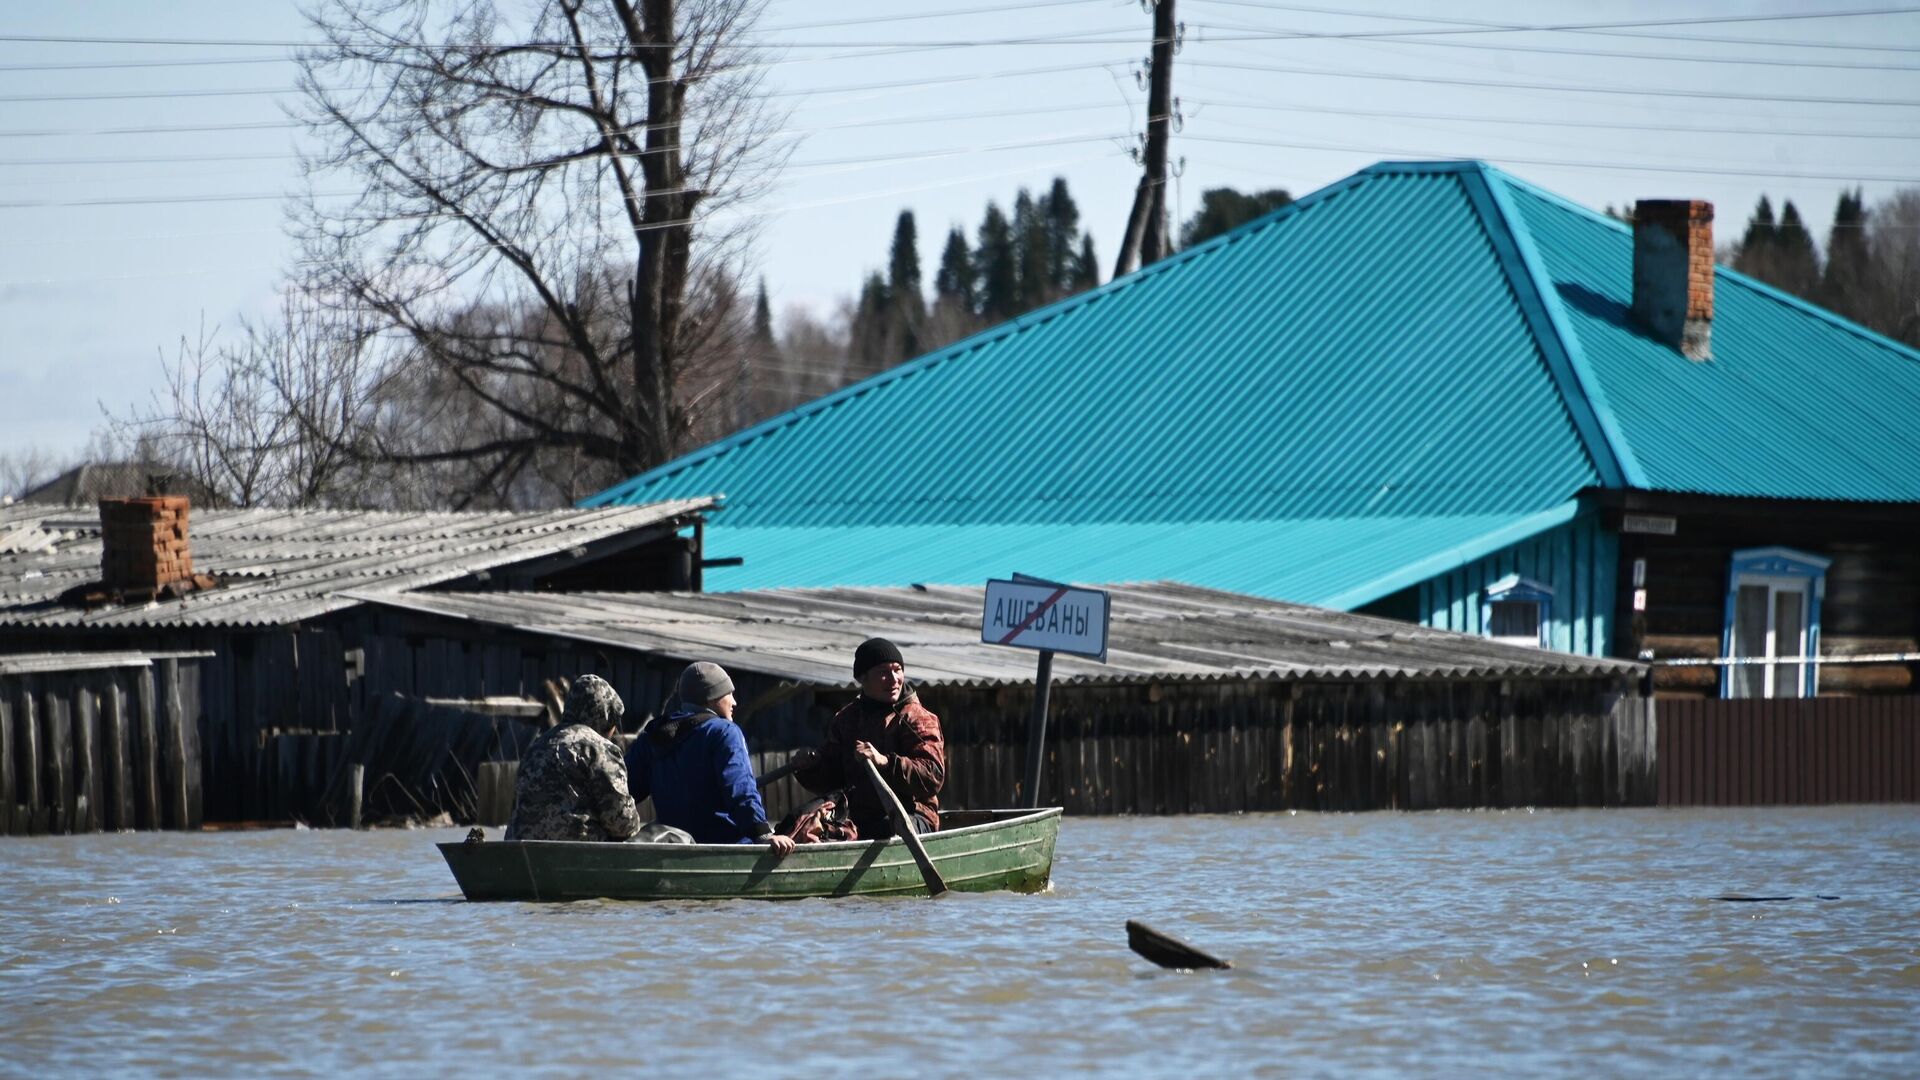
(984, 851)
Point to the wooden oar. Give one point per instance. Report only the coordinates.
(1168, 952)
(903, 825)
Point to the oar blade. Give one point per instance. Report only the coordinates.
(1166, 951)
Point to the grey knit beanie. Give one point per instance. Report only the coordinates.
(591, 701)
(704, 682)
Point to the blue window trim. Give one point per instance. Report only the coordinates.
(1776, 562)
(1515, 587)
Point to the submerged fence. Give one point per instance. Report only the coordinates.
(96, 743)
(1784, 751)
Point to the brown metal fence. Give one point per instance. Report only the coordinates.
(1789, 752)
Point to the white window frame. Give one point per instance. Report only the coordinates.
(1778, 570)
(1515, 589)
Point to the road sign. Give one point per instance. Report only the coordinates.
(1043, 615)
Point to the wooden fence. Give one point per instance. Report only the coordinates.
(99, 749)
(1232, 747)
(1789, 751)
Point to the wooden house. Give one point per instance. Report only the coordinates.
(1431, 391)
(270, 604)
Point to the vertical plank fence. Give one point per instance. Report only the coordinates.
(1778, 752)
(94, 742)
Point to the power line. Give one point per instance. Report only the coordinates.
(1384, 114)
(889, 121)
(1555, 87)
(1487, 46)
(1559, 162)
(226, 197)
(1600, 30)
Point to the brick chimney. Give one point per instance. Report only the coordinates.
(1673, 273)
(144, 542)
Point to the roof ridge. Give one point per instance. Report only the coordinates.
(1019, 323)
(1580, 390)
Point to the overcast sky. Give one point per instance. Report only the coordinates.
(114, 243)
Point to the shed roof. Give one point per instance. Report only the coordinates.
(1435, 343)
(1160, 631)
(282, 566)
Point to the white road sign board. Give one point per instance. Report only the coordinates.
(1037, 615)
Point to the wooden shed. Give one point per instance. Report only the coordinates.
(1209, 702)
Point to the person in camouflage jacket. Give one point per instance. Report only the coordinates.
(572, 783)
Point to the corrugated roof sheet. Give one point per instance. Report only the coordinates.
(281, 566)
(44, 663)
(1796, 402)
(1423, 349)
(1361, 353)
(1159, 632)
(1334, 562)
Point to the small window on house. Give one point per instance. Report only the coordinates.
(1772, 623)
(1517, 611)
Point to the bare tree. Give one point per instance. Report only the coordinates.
(280, 417)
(1893, 304)
(538, 219)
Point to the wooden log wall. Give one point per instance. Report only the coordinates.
(1758, 752)
(101, 750)
(1872, 603)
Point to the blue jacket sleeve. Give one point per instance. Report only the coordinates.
(742, 795)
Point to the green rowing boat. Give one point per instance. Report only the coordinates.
(975, 851)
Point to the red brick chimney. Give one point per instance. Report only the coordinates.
(144, 542)
(1673, 273)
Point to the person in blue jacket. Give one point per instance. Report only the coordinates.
(694, 764)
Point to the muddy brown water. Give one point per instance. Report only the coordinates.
(1439, 944)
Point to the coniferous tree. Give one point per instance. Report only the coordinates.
(763, 322)
(908, 307)
(996, 268)
(868, 338)
(1086, 268)
(1797, 261)
(1225, 209)
(1759, 235)
(1848, 276)
(953, 285)
(1062, 219)
(1030, 253)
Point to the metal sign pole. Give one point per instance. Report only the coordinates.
(1037, 727)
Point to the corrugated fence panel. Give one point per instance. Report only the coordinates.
(1788, 751)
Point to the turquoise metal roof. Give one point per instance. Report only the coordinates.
(1359, 389)
(1331, 562)
(1796, 402)
(1367, 351)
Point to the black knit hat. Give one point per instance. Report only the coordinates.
(873, 651)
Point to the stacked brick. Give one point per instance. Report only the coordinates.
(144, 542)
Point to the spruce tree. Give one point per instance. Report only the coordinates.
(1030, 253)
(1062, 219)
(1843, 288)
(995, 267)
(907, 312)
(1225, 209)
(1797, 261)
(1086, 268)
(763, 340)
(953, 285)
(867, 343)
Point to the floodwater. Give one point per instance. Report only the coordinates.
(1439, 944)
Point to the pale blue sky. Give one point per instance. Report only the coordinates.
(114, 245)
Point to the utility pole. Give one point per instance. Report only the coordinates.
(1145, 240)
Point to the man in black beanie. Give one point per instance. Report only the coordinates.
(888, 726)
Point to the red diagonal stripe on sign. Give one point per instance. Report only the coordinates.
(1037, 612)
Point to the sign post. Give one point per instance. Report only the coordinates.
(1030, 613)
